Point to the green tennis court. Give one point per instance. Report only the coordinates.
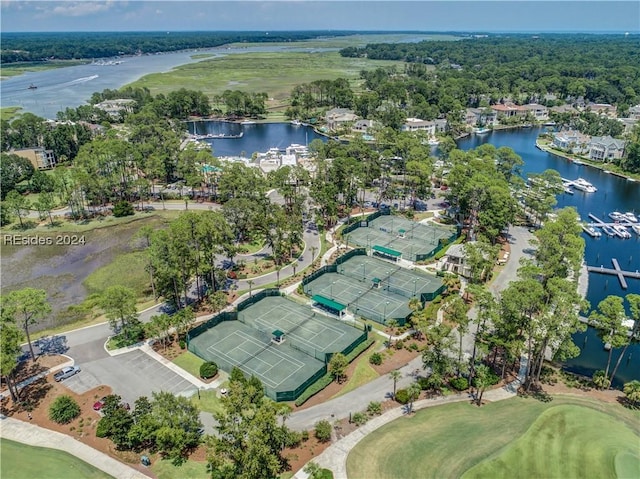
(375, 289)
(304, 328)
(234, 344)
(393, 236)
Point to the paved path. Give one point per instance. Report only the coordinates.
(33, 435)
(335, 456)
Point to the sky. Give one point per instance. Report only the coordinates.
(429, 16)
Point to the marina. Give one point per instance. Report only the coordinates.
(579, 184)
(618, 228)
(617, 271)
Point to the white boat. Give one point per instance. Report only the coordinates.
(247, 122)
(636, 229)
(568, 190)
(296, 122)
(621, 231)
(629, 216)
(583, 185)
(433, 142)
(481, 131)
(616, 216)
(591, 231)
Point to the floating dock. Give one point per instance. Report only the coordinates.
(616, 271)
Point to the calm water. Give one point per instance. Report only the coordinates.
(614, 194)
(256, 138)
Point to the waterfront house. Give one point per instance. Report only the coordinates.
(480, 116)
(605, 148)
(39, 157)
(571, 141)
(509, 110)
(566, 108)
(441, 125)
(339, 117)
(416, 124)
(539, 112)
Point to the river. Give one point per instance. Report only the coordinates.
(69, 87)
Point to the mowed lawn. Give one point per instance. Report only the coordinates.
(20, 461)
(565, 438)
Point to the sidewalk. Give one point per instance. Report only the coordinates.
(33, 435)
(335, 456)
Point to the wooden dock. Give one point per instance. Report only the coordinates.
(616, 271)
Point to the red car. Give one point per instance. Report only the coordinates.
(99, 404)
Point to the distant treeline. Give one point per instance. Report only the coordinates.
(29, 47)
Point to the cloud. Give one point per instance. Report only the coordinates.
(81, 9)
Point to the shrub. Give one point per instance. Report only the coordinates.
(399, 344)
(359, 418)
(423, 383)
(459, 384)
(208, 370)
(402, 396)
(323, 430)
(376, 358)
(305, 435)
(182, 344)
(64, 410)
(293, 439)
(413, 347)
(122, 208)
(374, 408)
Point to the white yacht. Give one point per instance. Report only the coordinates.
(636, 229)
(591, 231)
(629, 216)
(616, 216)
(621, 231)
(583, 185)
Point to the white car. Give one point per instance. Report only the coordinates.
(67, 372)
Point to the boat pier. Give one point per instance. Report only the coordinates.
(616, 271)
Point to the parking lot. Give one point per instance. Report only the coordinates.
(130, 375)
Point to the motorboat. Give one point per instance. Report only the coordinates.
(32, 87)
(616, 216)
(591, 231)
(636, 229)
(629, 216)
(608, 230)
(621, 231)
(568, 190)
(583, 185)
(296, 122)
(481, 131)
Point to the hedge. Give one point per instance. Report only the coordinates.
(208, 370)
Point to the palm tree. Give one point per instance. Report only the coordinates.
(250, 282)
(392, 324)
(395, 375)
(632, 391)
(452, 282)
(414, 393)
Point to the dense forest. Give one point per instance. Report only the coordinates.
(599, 68)
(30, 47)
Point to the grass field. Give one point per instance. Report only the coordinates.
(15, 69)
(363, 372)
(127, 269)
(20, 461)
(190, 469)
(273, 73)
(519, 437)
(9, 112)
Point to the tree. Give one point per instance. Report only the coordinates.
(392, 324)
(607, 320)
(632, 391)
(456, 311)
(217, 300)
(395, 375)
(27, 306)
(337, 366)
(45, 204)
(10, 339)
(119, 305)
(17, 205)
(251, 436)
(634, 336)
(323, 430)
(483, 381)
(413, 394)
(601, 380)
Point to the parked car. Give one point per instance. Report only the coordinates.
(99, 403)
(67, 372)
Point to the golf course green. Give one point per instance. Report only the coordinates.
(517, 438)
(19, 461)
